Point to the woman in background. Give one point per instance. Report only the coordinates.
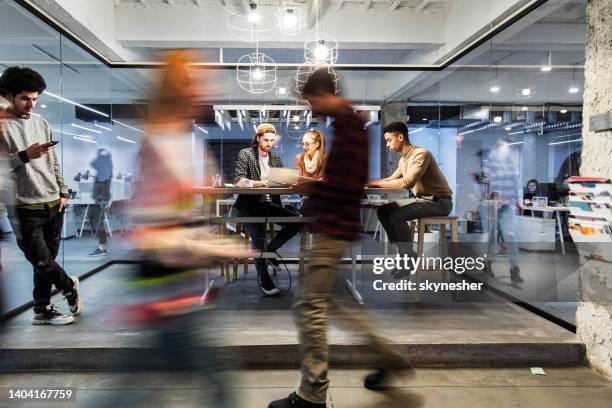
(311, 163)
(532, 190)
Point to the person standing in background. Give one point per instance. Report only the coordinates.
(40, 192)
(103, 165)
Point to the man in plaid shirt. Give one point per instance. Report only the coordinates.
(335, 204)
(252, 169)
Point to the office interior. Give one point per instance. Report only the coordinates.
(524, 85)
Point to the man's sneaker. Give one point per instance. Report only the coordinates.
(515, 274)
(75, 303)
(380, 380)
(275, 265)
(294, 401)
(51, 316)
(267, 286)
(99, 252)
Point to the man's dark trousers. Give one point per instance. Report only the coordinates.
(38, 235)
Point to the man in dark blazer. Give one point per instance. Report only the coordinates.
(252, 170)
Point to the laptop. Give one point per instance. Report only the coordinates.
(282, 177)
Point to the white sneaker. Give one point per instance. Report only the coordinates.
(75, 302)
(52, 317)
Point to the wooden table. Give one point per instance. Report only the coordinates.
(350, 283)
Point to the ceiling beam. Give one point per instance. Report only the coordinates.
(394, 5)
(423, 5)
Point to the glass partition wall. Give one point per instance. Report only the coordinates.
(519, 89)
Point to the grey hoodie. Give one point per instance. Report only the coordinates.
(38, 180)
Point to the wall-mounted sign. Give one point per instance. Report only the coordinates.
(600, 122)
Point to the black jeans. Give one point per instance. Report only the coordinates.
(38, 235)
(394, 217)
(97, 222)
(258, 231)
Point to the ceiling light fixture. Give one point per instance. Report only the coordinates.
(573, 90)
(563, 111)
(102, 127)
(84, 139)
(524, 108)
(526, 91)
(75, 104)
(548, 66)
(126, 140)
(253, 15)
(494, 89)
(85, 128)
(127, 126)
(497, 119)
(321, 52)
(254, 21)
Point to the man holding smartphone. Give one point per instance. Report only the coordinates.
(40, 192)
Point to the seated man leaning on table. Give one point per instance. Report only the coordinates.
(418, 171)
(252, 169)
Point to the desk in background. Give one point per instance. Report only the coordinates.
(550, 210)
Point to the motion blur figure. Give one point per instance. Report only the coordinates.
(5, 201)
(499, 213)
(335, 203)
(167, 286)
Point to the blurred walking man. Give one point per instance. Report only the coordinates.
(335, 203)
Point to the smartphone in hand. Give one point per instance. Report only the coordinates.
(51, 143)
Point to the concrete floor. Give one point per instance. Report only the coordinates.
(437, 388)
(495, 333)
(550, 279)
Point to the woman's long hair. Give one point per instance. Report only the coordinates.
(175, 89)
(318, 136)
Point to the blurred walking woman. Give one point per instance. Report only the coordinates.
(167, 285)
(311, 163)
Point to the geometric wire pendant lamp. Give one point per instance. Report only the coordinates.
(290, 18)
(320, 48)
(305, 70)
(256, 72)
(248, 21)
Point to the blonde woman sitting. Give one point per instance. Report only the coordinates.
(311, 163)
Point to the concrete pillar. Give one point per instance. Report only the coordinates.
(594, 315)
(391, 111)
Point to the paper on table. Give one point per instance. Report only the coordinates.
(537, 371)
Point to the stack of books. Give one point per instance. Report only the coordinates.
(590, 221)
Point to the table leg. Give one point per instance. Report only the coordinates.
(560, 232)
(351, 284)
(80, 234)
